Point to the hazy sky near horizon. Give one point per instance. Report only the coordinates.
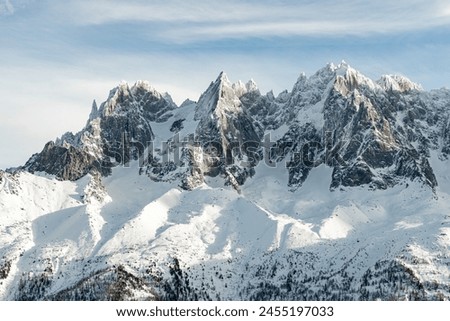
(57, 56)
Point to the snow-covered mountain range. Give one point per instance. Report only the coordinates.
(336, 190)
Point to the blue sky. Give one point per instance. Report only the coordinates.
(57, 56)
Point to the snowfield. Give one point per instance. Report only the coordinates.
(219, 236)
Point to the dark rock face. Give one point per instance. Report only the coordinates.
(373, 149)
(371, 133)
(67, 163)
(446, 139)
(344, 120)
(117, 132)
(302, 148)
(177, 125)
(140, 99)
(225, 135)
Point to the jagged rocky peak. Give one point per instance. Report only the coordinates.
(241, 89)
(349, 79)
(398, 83)
(94, 111)
(322, 77)
(65, 162)
(224, 126)
(251, 86)
(141, 97)
(222, 95)
(345, 79)
(370, 140)
(222, 103)
(352, 120)
(117, 96)
(342, 78)
(341, 74)
(367, 132)
(122, 120)
(187, 102)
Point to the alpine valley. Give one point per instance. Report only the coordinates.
(336, 190)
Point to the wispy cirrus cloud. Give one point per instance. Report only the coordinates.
(9, 7)
(182, 21)
(446, 10)
(6, 8)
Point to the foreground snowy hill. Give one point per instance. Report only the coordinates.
(338, 189)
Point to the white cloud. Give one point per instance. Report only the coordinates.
(446, 11)
(9, 7)
(103, 11)
(182, 21)
(6, 8)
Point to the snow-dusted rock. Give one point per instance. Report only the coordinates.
(336, 190)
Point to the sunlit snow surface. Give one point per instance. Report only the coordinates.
(45, 223)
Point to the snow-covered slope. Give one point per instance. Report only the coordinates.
(336, 190)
